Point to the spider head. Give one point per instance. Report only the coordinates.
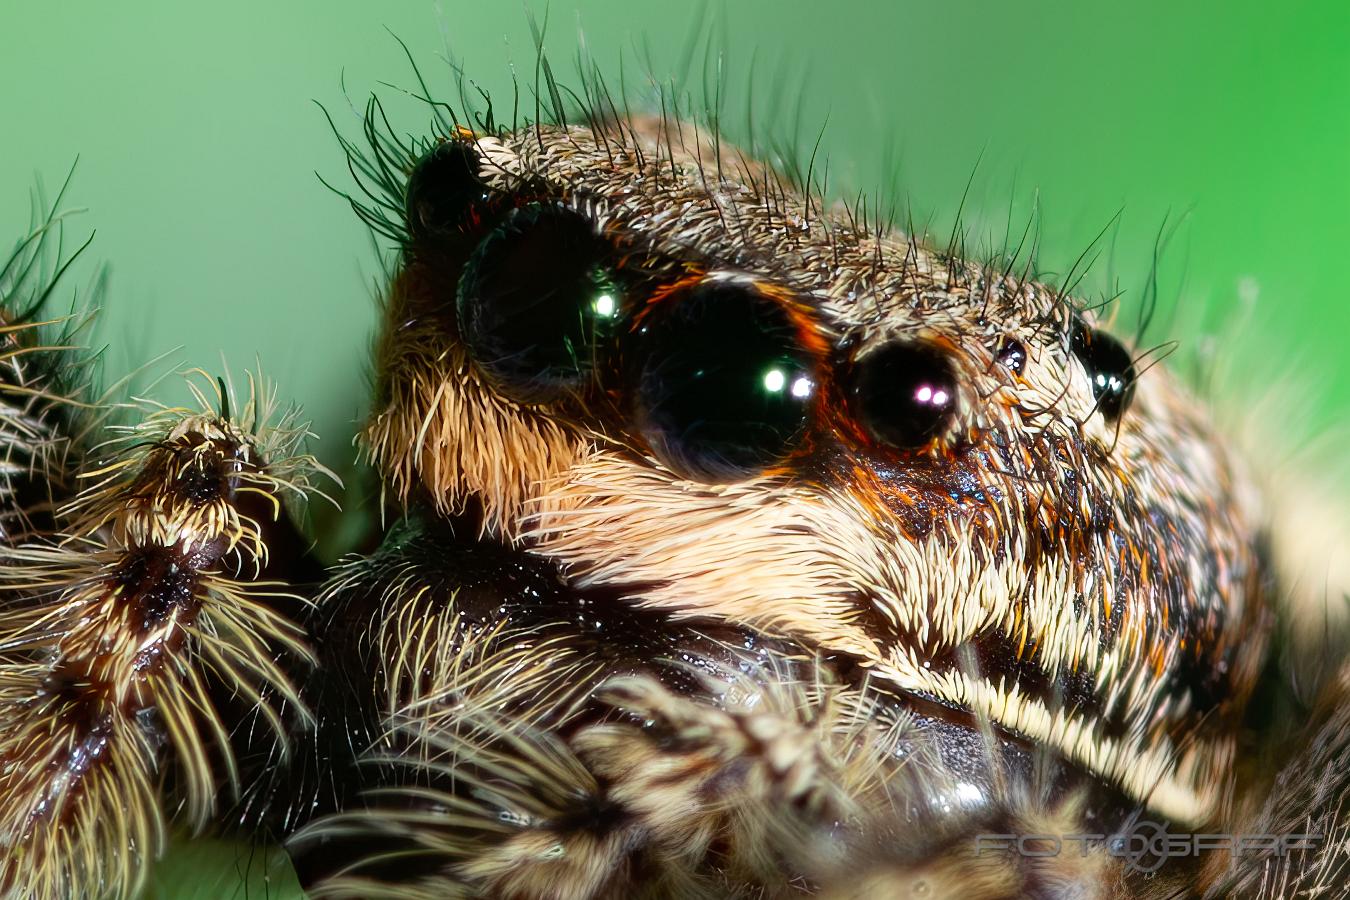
(666, 369)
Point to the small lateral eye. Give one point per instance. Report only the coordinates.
(442, 189)
(905, 394)
(535, 299)
(1012, 355)
(1108, 365)
(723, 386)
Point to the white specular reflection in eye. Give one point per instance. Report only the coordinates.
(775, 380)
(926, 394)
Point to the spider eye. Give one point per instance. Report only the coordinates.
(442, 189)
(1012, 354)
(905, 394)
(1108, 365)
(535, 298)
(724, 386)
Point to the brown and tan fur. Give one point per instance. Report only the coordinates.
(708, 690)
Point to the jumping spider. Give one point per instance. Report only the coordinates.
(736, 545)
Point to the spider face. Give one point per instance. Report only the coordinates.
(676, 377)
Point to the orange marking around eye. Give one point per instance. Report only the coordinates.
(804, 319)
(868, 493)
(664, 292)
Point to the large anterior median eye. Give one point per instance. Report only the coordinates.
(723, 385)
(1109, 366)
(534, 299)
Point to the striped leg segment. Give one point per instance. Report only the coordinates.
(131, 638)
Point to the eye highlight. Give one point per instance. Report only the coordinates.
(723, 385)
(904, 394)
(1012, 355)
(536, 298)
(1109, 367)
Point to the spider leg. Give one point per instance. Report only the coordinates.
(147, 617)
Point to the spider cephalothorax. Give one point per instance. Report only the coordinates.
(737, 546)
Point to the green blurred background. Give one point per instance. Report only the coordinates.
(198, 143)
